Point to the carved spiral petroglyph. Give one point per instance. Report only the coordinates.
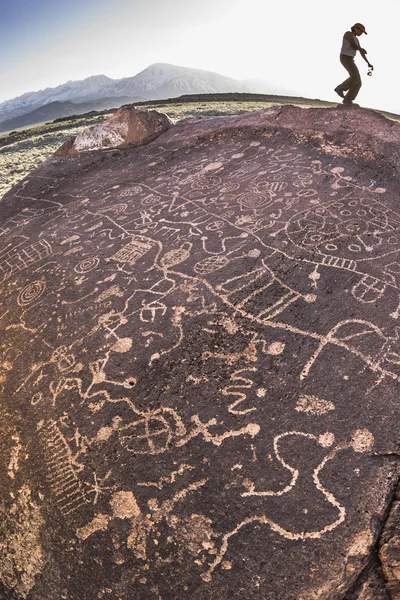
(87, 265)
(31, 293)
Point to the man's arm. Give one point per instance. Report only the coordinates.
(349, 37)
(363, 53)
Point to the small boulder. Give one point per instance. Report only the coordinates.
(128, 127)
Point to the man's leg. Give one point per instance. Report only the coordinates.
(353, 83)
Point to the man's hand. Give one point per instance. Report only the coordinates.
(363, 51)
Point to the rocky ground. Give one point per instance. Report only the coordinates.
(21, 152)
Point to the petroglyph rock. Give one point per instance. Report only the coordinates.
(129, 126)
(200, 365)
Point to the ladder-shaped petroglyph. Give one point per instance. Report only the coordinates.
(136, 248)
(62, 469)
(20, 258)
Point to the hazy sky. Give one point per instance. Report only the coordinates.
(292, 44)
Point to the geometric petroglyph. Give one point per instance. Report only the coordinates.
(151, 434)
(31, 293)
(272, 188)
(393, 268)
(19, 259)
(339, 263)
(22, 218)
(136, 248)
(61, 469)
(210, 264)
(368, 289)
(87, 265)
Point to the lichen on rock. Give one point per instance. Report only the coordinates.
(21, 553)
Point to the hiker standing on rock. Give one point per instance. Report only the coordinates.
(349, 49)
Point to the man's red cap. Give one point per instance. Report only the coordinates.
(360, 26)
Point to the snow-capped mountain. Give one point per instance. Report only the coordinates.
(87, 90)
(181, 80)
(58, 110)
(155, 82)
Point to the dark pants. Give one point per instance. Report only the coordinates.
(353, 83)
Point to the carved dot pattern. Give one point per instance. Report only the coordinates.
(87, 265)
(31, 292)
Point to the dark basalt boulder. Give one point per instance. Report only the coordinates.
(200, 365)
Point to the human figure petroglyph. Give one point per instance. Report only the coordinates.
(60, 359)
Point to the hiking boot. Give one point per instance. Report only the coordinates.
(339, 92)
(349, 103)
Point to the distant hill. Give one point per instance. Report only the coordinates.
(155, 82)
(57, 110)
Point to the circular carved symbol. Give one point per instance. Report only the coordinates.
(87, 265)
(254, 200)
(149, 435)
(353, 227)
(31, 292)
(150, 200)
(210, 264)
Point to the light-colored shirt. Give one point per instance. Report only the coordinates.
(346, 47)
